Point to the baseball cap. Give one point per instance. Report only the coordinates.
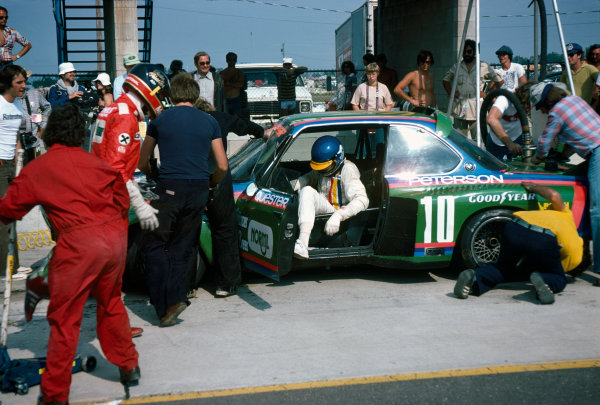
(573, 47)
(538, 94)
(287, 60)
(504, 49)
(130, 59)
(103, 78)
(66, 67)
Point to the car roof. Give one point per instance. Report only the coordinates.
(260, 66)
(439, 120)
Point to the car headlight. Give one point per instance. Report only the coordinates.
(304, 106)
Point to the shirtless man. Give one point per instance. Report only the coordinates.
(419, 82)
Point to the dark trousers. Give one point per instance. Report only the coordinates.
(540, 252)
(222, 218)
(500, 151)
(7, 174)
(168, 249)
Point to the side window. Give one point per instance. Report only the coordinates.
(417, 151)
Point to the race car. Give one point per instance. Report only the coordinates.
(435, 197)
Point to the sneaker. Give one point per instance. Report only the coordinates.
(464, 282)
(222, 292)
(300, 251)
(24, 270)
(544, 293)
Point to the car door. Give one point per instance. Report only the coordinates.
(268, 215)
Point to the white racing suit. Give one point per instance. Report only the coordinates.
(342, 194)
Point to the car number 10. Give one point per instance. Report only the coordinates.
(445, 218)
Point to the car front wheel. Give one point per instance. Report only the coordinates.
(480, 239)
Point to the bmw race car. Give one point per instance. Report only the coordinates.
(435, 197)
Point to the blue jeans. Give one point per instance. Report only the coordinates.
(594, 181)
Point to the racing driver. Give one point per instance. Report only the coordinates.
(116, 138)
(333, 186)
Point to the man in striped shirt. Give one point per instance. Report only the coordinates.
(576, 124)
(9, 37)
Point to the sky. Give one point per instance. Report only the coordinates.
(257, 30)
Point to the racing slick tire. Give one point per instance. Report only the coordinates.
(480, 237)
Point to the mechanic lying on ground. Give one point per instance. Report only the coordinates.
(540, 244)
(333, 186)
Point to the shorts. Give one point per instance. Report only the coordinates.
(288, 105)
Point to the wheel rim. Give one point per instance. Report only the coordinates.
(485, 245)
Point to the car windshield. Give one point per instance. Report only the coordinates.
(480, 156)
(265, 78)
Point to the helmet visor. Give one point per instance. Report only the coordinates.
(319, 166)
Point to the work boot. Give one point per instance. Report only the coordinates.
(170, 318)
(130, 378)
(36, 288)
(464, 282)
(41, 401)
(544, 293)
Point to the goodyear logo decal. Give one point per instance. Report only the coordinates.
(501, 198)
(260, 239)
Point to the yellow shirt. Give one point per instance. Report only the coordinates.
(563, 226)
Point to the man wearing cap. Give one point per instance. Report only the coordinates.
(7, 41)
(540, 245)
(66, 88)
(105, 90)
(129, 61)
(465, 97)
(211, 84)
(576, 124)
(513, 74)
(286, 86)
(584, 75)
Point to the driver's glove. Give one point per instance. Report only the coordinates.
(145, 212)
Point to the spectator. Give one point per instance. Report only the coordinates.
(105, 90)
(36, 110)
(420, 83)
(175, 67)
(387, 76)
(211, 84)
(372, 95)
(576, 124)
(234, 82)
(185, 137)
(367, 59)
(220, 210)
(8, 39)
(66, 88)
(129, 61)
(593, 56)
(465, 96)
(13, 82)
(350, 84)
(315, 191)
(90, 220)
(286, 86)
(537, 245)
(513, 74)
(584, 75)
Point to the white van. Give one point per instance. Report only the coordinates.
(261, 92)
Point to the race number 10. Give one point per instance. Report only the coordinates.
(445, 218)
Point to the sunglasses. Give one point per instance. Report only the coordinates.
(204, 63)
(4, 18)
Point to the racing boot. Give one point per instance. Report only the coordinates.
(130, 378)
(36, 288)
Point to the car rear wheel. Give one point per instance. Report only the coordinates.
(480, 239)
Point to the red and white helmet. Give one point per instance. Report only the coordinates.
(151, 85)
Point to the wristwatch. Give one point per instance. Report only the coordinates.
(18, 56)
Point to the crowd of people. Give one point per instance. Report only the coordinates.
(190, 116)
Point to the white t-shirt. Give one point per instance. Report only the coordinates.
(378, 97)
(511, 76)
(207, 86)
(512, 126)
(11, 115)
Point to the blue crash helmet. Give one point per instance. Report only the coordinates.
(327, 155)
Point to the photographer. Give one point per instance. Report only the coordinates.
(36, 110)
(66, 88)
